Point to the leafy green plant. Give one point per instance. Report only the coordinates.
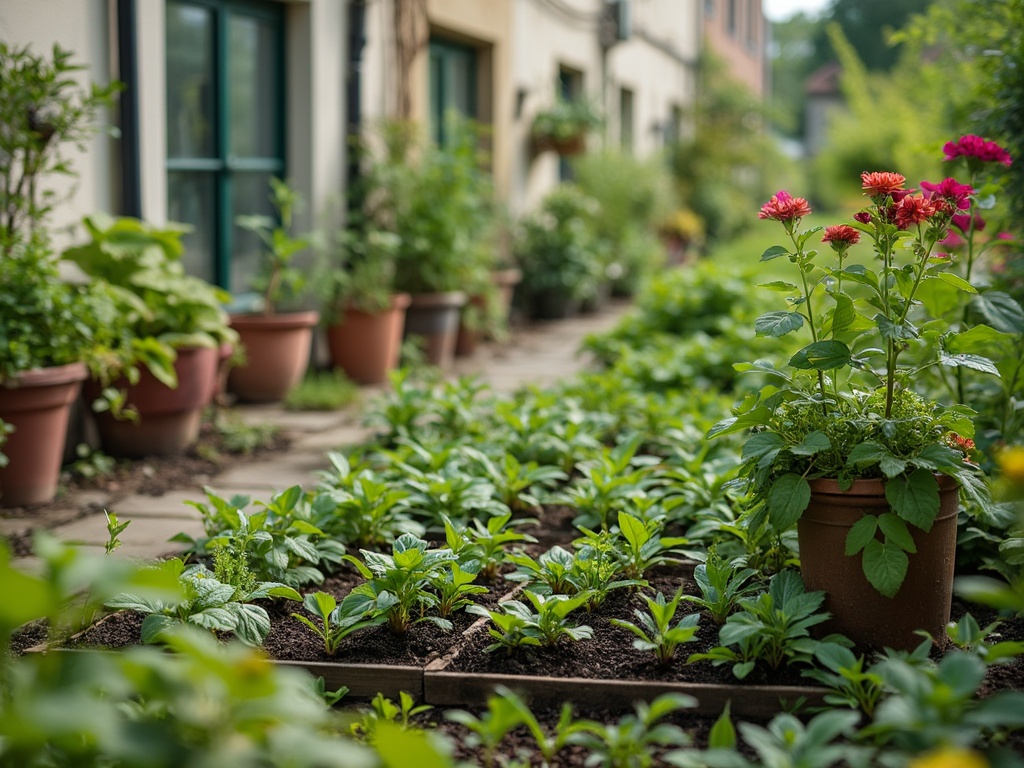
(551, 571)
(937, 704)
(628, 742)
(385, 710)
(278, 280)
(161, 308)
(610, 483)
(488, 730)
(656, 632)
(596, 566)
(454, 587)
(548, 745)
(566, 119)
(335, 622)
(643, 546)
(546, 624)
(360, 507)
(968, 636)
(280, 540)
(787, 741)
(399, 584)
(90, 464)
(206, 603)
(359, 272)
(520, 486)
(853, 683)
(322, 391)
(722, 584)
(486, 543)
(772, 628)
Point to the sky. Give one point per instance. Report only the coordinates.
(780, 10)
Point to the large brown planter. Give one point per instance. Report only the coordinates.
(366, 345)
(434, 317)
(859, 611)
(169, 419)
(505, 282)
(37, 404)
(276, 354)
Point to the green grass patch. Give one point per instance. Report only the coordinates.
(322, 391)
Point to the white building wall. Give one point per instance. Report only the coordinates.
(82, 27)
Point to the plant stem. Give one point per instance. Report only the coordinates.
(809, 316)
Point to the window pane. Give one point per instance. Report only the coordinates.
(190, 90)
(252, 67)
(190, 200)
(251, 196)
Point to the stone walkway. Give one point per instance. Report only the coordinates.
(540, 355)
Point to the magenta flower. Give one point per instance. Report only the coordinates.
(949, 191)
(963, 222)
(972, 146)
(863, 217)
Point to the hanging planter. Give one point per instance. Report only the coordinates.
(37, 404)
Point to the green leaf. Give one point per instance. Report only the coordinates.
(723, 733)
(774, 252)
(957, 282)
(822, 356)
(1001, 310)
(154, 625)
(760, 444)
(894, 331)
(892, 466)
(885, 566)
(897, 532)
(915, 499)
(860, 534)
(844, 314)
(787, 500)
(866, 453)
(778, 323)
(813, 443)
(974, 362)
(778, 285)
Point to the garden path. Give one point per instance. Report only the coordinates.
(539, 354)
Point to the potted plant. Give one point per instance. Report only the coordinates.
(160, 368)
(559, 253)
(48, 329)
(363, 315)
(844, 446)
(276, 344)
(564, 126)
(437, 200)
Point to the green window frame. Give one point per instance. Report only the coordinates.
(226, 128)
(453, 84)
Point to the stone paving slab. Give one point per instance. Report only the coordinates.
(171, 504)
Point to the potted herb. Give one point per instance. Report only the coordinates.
(160, 368)
(844, 446)
(363, 314)
(276, 343)
(563, 127)
(48, 327)
(559, 253)
(437, 200)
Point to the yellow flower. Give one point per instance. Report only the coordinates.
(1011, 464)
(950, 757)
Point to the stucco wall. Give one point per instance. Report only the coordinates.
(80, 26)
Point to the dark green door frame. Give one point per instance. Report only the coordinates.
(226, 164)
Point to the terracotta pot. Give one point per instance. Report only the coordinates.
(366, 345)
(220, 381)
(435, 318)
(36, 403)
(574, 145)
(169, 419)
(277, 351)
(859, 611)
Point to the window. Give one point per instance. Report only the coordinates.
(732, 18)
(709, 8)
(570, 87)
(753, 19)
(626, 118)
(225, 132)
(452, 84)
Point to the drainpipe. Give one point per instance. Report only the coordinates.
(356, 43)
(127, 64)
